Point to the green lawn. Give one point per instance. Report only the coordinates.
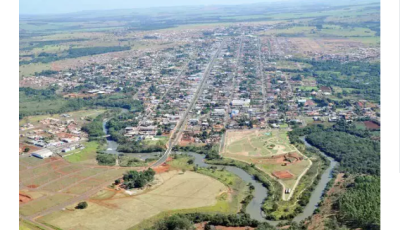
(158, 140)
(88, 153)
(308, 88)
(360, 125)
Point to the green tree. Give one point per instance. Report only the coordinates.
(82, 205)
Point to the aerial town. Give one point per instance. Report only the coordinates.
(211, 84)
(167, 113)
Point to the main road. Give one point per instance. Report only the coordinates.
(232, 93)
(177, 132)
(261, 72)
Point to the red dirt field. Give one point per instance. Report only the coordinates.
(24, 198)
(161, 169)
(371, 125)
(32, 148)
(164, 167)
(32, 186)
(282, 174)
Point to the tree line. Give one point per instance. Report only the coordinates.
(44, 57)
(73, 104)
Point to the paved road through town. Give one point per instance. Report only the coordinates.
(177, 132)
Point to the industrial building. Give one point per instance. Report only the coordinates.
(42, 153)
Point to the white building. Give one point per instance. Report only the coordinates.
(42, 153)
(244, 102)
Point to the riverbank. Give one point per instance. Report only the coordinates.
(267, 190)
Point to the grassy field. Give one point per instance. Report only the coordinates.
(292, 30)
(226, 202)
(346, 32)
(42, 204)
(25, 225)
(368, 40)
(26, 104)
(291, 65)
(31, 69)
(88, 154)
(158, 140)
(285, 208)
(183, 191)
(295, 169)
(265, 149)
(76, 115)
(257, 143)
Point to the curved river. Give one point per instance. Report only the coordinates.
(260, 192)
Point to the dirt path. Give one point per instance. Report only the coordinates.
(301, 175)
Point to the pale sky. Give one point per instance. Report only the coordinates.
(68, 6)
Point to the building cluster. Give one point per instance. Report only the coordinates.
(60, 135)
(214, 80)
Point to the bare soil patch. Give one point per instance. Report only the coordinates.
(24, 198)
(371, 125)
(282, 174)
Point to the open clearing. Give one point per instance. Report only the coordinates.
(257, 143)
(76, 115)
(51, 182)
(270, 151)
(86, 155)
(108, 211)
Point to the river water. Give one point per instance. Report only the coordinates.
(260, 192)
(316, 195)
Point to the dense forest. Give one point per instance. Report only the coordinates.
(359, 158)
(349, 146)
(355, 154)
(94, 128)
(359, 206)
